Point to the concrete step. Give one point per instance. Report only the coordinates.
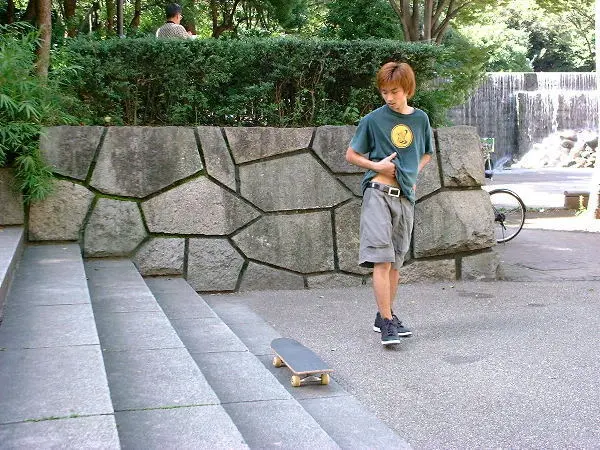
(53, 386)
(350, 424)
(265, 413)
(11, 248)
(160, 396)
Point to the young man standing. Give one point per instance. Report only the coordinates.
(394, 143)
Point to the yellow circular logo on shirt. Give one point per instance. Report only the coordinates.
(402, 136)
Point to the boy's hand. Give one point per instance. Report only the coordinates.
(386, 166)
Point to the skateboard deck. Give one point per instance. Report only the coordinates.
(302, 362)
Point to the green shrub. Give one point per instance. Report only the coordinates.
(254, 81)
(27, 103)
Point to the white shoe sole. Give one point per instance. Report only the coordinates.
(396, 341)
(378, 330)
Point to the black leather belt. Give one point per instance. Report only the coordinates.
(389, 190)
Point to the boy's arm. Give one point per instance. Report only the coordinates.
(424, 161)
(385, 166)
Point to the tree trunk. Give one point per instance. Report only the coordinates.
(70, 7)
(110, 17)
(10, 12)
(120, 31)
(429, 24)
(44, 10)
(137, 14)
(31, 11)
(227, 22)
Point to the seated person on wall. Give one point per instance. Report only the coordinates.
(172, 29)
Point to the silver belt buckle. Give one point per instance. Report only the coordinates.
(394, 192)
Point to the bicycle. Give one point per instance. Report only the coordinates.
(509, 209)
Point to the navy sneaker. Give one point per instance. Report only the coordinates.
(402, 330)
(389, 333)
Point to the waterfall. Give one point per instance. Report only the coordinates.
(519, 110)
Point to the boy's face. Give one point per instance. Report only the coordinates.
(394, 96)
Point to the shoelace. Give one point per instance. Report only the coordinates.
(388, 327)
(396, 321)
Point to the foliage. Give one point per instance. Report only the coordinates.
(26, 104)
(256, 82)
(461, 68)
(361, 19)
(524, 36)
(430, 20)
(507, 47)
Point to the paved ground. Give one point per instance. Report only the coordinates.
(543, 187)
(491, 365)
(507, 364)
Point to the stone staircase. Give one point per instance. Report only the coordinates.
(92, 355)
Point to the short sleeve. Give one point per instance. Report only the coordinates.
(428, 139)
(360, 141)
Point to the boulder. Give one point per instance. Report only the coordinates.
(219, 163)
(252, 143)
(481, 266)
(298, 242)
(199, 206)
(70, 150)
(461, 156)
(334, 280)
(61, 215)
(213, 265)
(160, 256)
(453, 222)
(139, 161)
(11, 200)
(115, 228)
(347, 234)
(330, 144)
(418, 271)
(429, 179)
(259, 278)
(291, 182)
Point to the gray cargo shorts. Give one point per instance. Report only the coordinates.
(386, 225)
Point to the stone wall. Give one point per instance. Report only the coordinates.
(253, 208)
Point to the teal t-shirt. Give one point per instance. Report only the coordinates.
(384, 131)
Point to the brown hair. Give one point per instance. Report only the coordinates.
(394, 74)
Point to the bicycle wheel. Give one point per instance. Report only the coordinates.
(509, 214)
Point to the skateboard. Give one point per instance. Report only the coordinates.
(302, 362)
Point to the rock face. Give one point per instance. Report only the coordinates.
(298, 242)
(161, 256)
(60, 217)
(11, 201)
(70, 150)
(214, 265)
(252, 208)
(115, 228)
(295, 182)
(138, 161)
(250, 144)
(219, 163)
(198, 207)
(460, 153)
(453, 222)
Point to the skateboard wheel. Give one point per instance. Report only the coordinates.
(325, 378)
(277, 362)
(296, 381)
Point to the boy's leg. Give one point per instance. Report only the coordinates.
(382, 287)
(394, 280)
